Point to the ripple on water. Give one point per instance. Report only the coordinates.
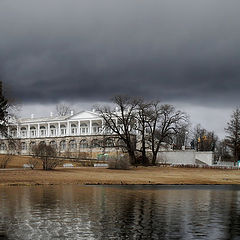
(102, 212)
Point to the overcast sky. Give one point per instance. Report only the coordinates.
(85, 51)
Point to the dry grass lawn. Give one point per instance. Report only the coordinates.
(90, 175)
(140, 175)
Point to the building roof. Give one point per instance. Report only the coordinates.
(84, 115)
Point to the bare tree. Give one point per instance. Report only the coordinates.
(143, 112)
(222, 151)
(165, 121)
(47, 154)
(204, 140)
(233, 134)
(33, 162)
(63, 109)
(121, 121)
(181, 137)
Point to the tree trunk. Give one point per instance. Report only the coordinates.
(144, 158)
(132, 157)
(154, 157)
(235, 159)
(45, 163)
(155, 152)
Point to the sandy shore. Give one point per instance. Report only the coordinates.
(140, 175)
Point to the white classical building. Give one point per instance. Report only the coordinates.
(80, 132)
(82, 135)
(83, 123)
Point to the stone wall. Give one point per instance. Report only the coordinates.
(176, 157)
(185, 157)
(204, 157)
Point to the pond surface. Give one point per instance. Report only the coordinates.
(120, 212)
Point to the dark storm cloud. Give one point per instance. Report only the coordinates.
(90, 50)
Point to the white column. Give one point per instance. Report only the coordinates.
(48, 130)
(18, 133)
(90, 130)
(38, 130)
(59, 129)
(79, 124)
(28, 131)
(68, 128)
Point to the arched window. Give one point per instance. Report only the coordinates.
(23, 146)
(95, 143)
(53, 144)
(73, 129)
(42, 143)
(53, 130)
(33, 131)
(23, 132)
(43, 131)
(84, 128)
(109, 142)
(63, 145)
(63, 130)
(72, 145)
(83, 143)
(95, 128)
(13, 132)
(31, 145)
(3, 147)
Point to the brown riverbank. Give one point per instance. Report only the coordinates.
(140, 175)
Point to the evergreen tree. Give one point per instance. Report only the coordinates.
(4, 106)
(233, 131)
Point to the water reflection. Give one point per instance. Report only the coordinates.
(122, 212)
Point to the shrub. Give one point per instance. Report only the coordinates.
(33, 162)
(4, 161)
(83, 155)
(118, 162)
(47, 154)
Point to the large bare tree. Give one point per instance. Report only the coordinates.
(142, 113)
(121, 121)
(164, 122)
(233, 134)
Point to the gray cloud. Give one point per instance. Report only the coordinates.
(179, 51)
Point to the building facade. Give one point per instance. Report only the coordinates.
(76, 134)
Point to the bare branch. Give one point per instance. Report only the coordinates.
(63, 109)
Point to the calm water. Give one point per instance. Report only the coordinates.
(124, 212)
